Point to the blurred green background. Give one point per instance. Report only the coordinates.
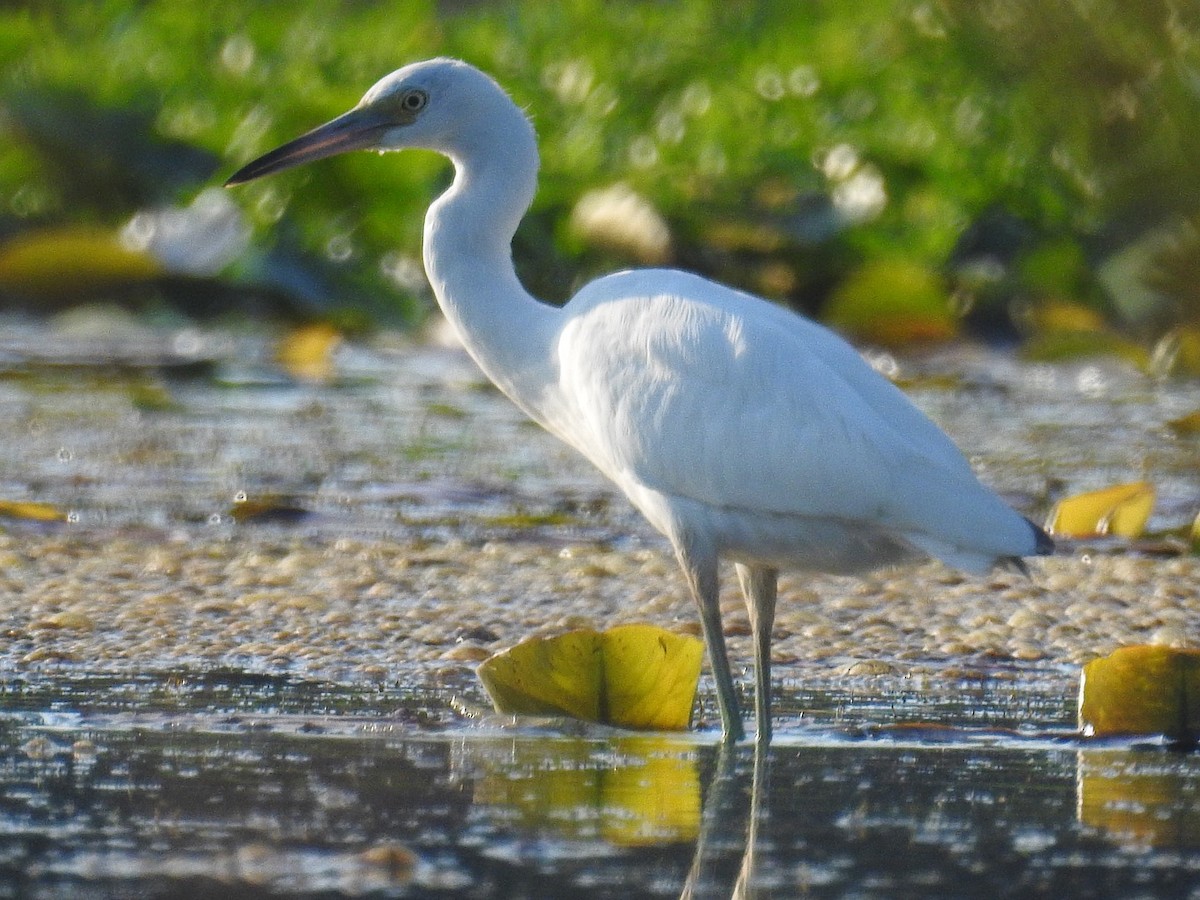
(1017, 170)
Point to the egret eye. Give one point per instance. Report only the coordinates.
(414, 101)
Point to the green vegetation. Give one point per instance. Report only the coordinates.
(1025, 152)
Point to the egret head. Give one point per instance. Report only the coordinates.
(439, 104)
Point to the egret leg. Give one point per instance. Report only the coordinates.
(700, 568)
(759, 587)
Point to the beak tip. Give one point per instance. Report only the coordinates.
(351, 131)
(238, 177)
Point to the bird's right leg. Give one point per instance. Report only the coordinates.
(759, 587)
(700, 568)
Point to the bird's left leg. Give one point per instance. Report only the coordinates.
(699, 565)
(759, 587)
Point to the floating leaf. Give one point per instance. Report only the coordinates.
(893, 302)
(71, 260)
(1186, 425)
(1147, 690)
(650, 676)
(268, 509)
(1062, 316)
(306, 353)
(31, 512)
(632, 676)
(547, 677)
(152, 396)
(1064, 330)
(1122, 510)
(1138, 798)
(1056, 346)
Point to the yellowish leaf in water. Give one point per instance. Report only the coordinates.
(1122, 510)
(30, 511)
(1147, 690)
(650, 677)
(1066, 316)
(1064, 330)
(306, 353)
(274, 509)
(632, 676)
(553, 676)
(893, 302)
(71, 260)
(1186, 425)
(152, 396)
(1057, 346)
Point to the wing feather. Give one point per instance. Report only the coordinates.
(695, 390)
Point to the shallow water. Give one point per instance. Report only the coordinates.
(193, 703)
(261, 787)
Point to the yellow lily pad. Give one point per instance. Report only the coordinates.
(556, 676)
(306, 352)
(632, 676)
(1147, 690)
(1122, 510)
(894, 303)
(71, 260)
(650, 677)
(31, 511)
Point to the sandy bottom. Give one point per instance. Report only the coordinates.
(353, 610)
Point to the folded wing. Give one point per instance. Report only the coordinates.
(701, 392)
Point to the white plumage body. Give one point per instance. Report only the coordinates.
(764, 430)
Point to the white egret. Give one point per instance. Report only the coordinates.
(739, 429)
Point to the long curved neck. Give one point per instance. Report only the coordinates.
(468, 258)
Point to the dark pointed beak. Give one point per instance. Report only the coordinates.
(358, 129)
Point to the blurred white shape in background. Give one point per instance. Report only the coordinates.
(200, 239)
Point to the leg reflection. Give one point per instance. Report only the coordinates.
(747, 885)
(731, 822)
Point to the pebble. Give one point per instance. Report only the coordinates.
(396, 860)
(229, 604)
(68, 619)
(39, 748)
(466, 653)
(873, 667)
